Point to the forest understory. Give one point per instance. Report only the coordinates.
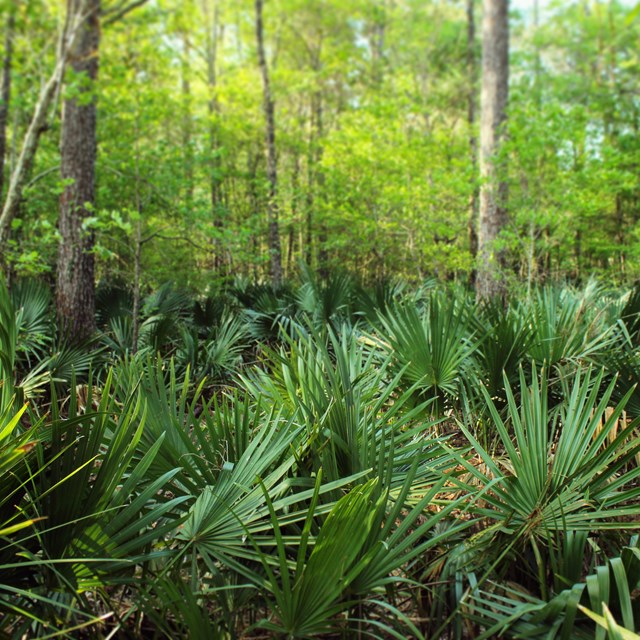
(320, 319)
(324, 460)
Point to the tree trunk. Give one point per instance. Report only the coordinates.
(138, 243)
(493, 191)
(187, 132)
(472, 70)
(317, 189)
(212, 37)
(295, 191)
(75, 299)
(272, 166)
(5, 96)
(137, 279)
(309, 200)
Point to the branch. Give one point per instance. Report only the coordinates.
(121, 11)
(45, 173)
(107, 12)
(70, 33)
(158, 234)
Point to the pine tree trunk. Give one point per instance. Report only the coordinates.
(493, 191)
(272, 166)
(75, 293)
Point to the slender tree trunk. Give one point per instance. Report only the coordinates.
(323, 254)
(75, 292)
(5, 96)
(314, 156)
(472, 71)
(138, 243)
(309, 200)
(295, 189)
(376, 42)
(187, 128)
(315, 180)
(212, 38)
(493, 191)
(621, 234)
(137, 278)
(38, 124)
(272, 165)
(537, 68)
(255, 204)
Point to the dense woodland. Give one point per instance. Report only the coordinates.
(376, 114)
(318, 319)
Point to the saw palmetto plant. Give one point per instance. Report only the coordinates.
(414, 474)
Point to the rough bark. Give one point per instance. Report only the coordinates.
(5, 95)
(493, 191)
(272, 164)
(75, 291)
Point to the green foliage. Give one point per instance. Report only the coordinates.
(608, 589)
(355, 414)
(432, 350)
(307, 602)
(568, 328)
(314, 492)
(353, 452)
(84, 511)
(372, 128)
(505, 337)
(560, 472)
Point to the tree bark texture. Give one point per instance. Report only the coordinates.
(272, 163)
(493, 103)
(5, 96)
(75, 292)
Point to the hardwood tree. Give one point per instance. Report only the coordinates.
(272, 162)
(493, 104)
(214, 32)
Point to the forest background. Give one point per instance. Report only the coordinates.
(263, 221)
(376, 109)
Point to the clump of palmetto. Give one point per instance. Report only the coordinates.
(322, 462)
